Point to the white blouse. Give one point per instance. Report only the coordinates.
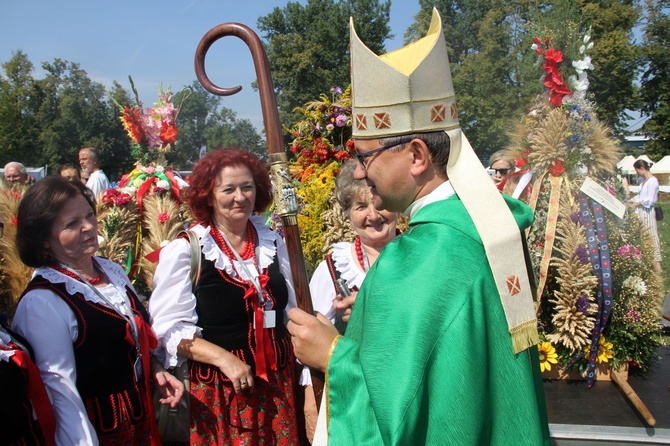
(322, 289)
(321, 285)
(648, 195)
(49, 325)
(172, 303)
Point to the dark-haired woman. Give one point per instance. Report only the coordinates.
(232, 326)
(644, 202)
(89, 331)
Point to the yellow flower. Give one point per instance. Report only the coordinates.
(605, 350)
(548, 356)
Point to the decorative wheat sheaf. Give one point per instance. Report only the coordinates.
(548, 143)
(573, 299)
(117, 229)
(14, 275)
(162, 222)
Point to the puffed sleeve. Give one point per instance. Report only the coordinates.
(172, 303)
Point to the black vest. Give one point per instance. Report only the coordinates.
(226, 318)
(104, 359)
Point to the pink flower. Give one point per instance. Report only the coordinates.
(163, 217)
(629, 251)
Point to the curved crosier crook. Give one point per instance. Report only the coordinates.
(285, 198)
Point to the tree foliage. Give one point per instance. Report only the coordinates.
(204, 122)
(308, 46)
(494, 70)
(47, 121)
(655, 80)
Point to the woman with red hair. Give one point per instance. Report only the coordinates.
(232, 324)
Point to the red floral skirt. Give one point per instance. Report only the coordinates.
(265, 415)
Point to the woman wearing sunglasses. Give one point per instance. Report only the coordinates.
(502, 166)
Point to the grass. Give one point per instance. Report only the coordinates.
(664, 236)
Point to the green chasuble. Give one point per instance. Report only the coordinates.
(427, 357)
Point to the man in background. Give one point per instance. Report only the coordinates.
(97, 180)
(15, 173)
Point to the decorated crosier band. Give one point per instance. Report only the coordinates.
(417, 95)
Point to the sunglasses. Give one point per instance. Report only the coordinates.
(501, 171)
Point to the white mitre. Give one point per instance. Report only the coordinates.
(410, 91)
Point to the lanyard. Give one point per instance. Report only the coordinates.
(126, 305)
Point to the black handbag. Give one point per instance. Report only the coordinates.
(659, 213)
(174, 423)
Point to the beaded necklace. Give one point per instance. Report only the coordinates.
(249, 250)
(362, 257)
(92, 281)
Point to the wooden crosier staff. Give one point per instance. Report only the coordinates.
(285, 198)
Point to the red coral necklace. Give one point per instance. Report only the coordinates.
(92, 280)
(249, 250)
(362, 257)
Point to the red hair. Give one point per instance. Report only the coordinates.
(204, 175)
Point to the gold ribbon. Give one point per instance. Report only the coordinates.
(550, 231)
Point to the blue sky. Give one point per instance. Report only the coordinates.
(154, 41)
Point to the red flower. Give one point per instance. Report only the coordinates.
(14, 221)
(163, 217)
(554, 79)
(132, 122)
(342, 155)
(168, 132)
(557, 168)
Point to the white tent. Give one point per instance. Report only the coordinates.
(663, 166)
(626, 165)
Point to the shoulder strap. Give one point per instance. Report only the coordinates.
(196, 257)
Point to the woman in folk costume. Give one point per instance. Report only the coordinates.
(89, 331)
(231, 326)
(440, 347)
(644, 202)
(350, 261)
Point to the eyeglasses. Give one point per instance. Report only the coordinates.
(501, 171)
(362, 156)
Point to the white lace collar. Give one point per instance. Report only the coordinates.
(347, 265)
(266, 249)
(115, 292)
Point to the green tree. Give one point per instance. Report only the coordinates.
(203, 121)
(20, 97)
(614, 58)
(307, 46)
(494, 70)
(655, 80)
(76, 113)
